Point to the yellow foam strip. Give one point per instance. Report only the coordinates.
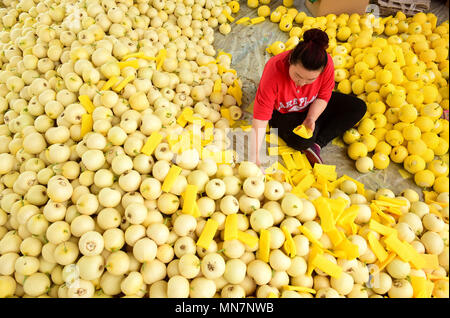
(337, 206)
(306, 162)
(236, 92)
(332, 185)
(336, 236)
(431, 261)
(393, 202)
(139, 55)
(299, 193)
(197, 213)
(422, 288)
(124, 82)
(128, 56)
(86, 124)
(221, 69)
(327, 171)
(248, 239)
(279, 166)
(326, 215)
(351, 250)
(131, 63)
(152, 142)
(315, 250)
(394, 244)
(327, 266)
(281, 142)
(208, 131)
(298, 159)
(264, 246)
(306, 183)
(286, 149)
(299, 289)
(187, 112)
(86, 103)
(231, 228)
(380, 228)
(160, 58)
(287, 158)
(169, 180)
(374, 212)
(217, 85)
(393, 210)
(303, 132)
(298, 176)
(189, 199)
(381, 265)
(208, 233)
(349, 215)
(289, 244)
(388, 219)
(376, 247)
(243, 20)
(225, 112)
(110, 83)
(417, 261)
(306, 232)
(384, 204)
(257, 20)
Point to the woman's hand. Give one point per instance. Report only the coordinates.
(309, 124)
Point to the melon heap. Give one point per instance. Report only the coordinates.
(116, 181)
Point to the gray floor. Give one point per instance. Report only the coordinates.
(247, 45)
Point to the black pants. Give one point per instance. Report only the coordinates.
(342, 113)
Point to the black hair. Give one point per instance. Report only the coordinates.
(311, 52)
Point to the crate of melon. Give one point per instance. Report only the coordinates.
(324, 7)
(408, 7)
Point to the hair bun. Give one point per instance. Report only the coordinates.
(316, 36)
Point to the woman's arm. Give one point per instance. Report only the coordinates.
(318, 106)
(315, 110)
(257, 135)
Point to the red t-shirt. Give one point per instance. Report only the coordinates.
(278, 91)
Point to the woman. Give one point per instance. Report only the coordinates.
(296, 88)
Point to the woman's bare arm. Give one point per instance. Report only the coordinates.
(257, 136)
(315, 110)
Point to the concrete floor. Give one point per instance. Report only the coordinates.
(247, 45)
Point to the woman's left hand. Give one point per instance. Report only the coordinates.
(309, 124)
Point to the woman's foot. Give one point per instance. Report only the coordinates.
(313, 154)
